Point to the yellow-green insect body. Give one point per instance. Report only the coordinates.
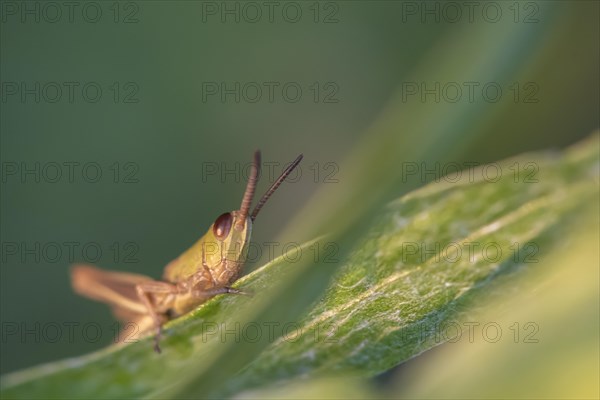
(206, 269)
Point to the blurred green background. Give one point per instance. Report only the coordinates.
(157, 126)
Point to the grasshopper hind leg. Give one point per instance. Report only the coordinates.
(156, 288)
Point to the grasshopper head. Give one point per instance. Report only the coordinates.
(232, 230)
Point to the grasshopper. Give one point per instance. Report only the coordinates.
(205, 270)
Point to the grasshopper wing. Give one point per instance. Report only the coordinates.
(114, 288)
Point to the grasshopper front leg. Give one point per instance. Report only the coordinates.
(143, 290)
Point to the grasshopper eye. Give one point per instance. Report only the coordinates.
(222, 226)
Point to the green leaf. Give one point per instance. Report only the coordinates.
(430, 260)
(401, 284)
(536, 339)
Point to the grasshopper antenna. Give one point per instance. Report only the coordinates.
(250, 187)
(274, 186)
